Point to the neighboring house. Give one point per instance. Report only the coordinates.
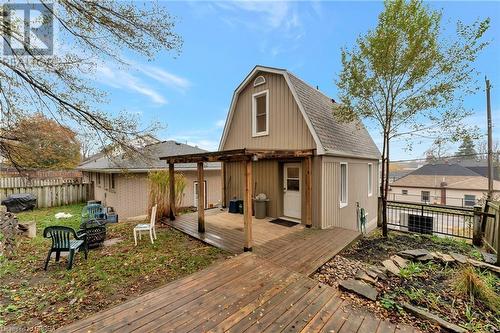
(313, 168)
(122, 182)
(447, 184)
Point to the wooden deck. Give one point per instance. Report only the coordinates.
(300, 249)
(243, 294)
(268, 290)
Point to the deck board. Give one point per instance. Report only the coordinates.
(268, 290)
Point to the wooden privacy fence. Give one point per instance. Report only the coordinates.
(490, 228)
(53, 195)
(29, 182)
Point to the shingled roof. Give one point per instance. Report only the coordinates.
(336, 137)
(332, 136)
(148, 159)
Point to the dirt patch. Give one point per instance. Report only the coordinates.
(428, 285)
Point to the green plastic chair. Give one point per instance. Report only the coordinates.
(62, 242)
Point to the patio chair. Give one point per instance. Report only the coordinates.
(62, 242)
(93, 212)
(149, 227)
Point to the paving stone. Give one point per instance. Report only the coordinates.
(425, 258)
(447, 258)
(489, 258)
(380, 270)
(481, 264)
(433, 318)
(371, 273)
(399, 261)
(360, 288)
(363, 276)
(410, 254)
(391, 266)
(459, 257)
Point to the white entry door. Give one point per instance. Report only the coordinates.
(195, 192)
(292, 187)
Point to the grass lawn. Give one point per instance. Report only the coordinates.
(36, 300)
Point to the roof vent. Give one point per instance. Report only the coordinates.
(259, 80)
(177, 143)
(333, 101)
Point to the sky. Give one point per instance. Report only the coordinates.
(190, 93)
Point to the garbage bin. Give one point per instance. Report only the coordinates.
(260, 208)
(233, 206)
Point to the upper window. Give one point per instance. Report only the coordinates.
(425, 196)
(343, 184)
(469, 200)
(112, 181)
(260, 113)
(404, 192)
(370, 179)
(259, 80)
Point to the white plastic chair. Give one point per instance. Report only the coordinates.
(150, 227)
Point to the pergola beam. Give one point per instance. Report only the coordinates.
(238, 155)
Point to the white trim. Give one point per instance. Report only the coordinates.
(291, 219)
(255, 83)
(319, 147)
(254, 113)
(370, 179)
(346, 203)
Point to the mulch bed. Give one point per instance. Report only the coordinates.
(428, 288)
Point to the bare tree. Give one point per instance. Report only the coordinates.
(90, 33)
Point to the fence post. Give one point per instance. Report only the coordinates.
(477, 235)
(379, 212)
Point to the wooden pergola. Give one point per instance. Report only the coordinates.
(246, 156)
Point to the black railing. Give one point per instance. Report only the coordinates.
(430, 219)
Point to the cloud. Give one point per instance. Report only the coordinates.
(120, 79)
(165, 77)
(267, 14)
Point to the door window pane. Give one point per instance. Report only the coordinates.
(293, 185)
(293, 173)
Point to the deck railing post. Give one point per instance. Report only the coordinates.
(477, 235)
(201, 198)
(171, 178)
(379, 212)
(247, 206)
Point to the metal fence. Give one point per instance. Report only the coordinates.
(431, 219)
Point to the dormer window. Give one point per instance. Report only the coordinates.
(259, 80)
(260, 113)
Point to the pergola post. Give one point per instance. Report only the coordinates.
(171, 177)
(247, 206)
(201, 198)
(223, 178)
(308, 192)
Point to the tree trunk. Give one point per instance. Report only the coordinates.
(386, 189)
